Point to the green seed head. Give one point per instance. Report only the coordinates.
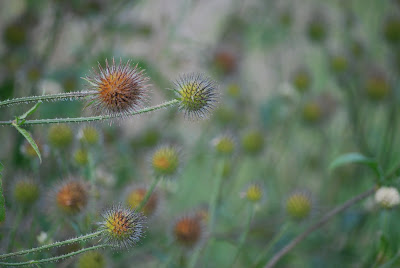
(165, 161)
(377, 87)
(92, 259)
(312, 112)
(253, 142)
(253, 193)
(317, 29)
(26, 192)
(60, 136)
(339, 64)
(299, 205)
(224, 145)
(81, 157)
(89, 135)
(301, 80)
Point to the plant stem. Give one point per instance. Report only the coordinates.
(53, 259)
(148, 193)
(244, 235)
(213, 209)
(50, 97)
(56, 244)
(13, 231)
(274, 260)
(92, 118)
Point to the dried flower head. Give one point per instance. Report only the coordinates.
(165, 160)
(91, 259)
(299, 205)
(387, 197)
(71, 196)
(136, 196)
(119, 89)
(60, 135)
(197, 95)
(253, 193)
(188, 231)
(122, 227)
(26, 192)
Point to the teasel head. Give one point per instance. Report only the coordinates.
(317, 28)
(224, 144)
(26, 192)
(197, 95)
(89, 135)
(135, 197)
(119, 89)
(81, 157)
(301, 80)
(254, 193)
(299, 205)
(28, 151)
(188, 231)
(91, 259)
(60, 136)
(377, 85)
(122, 227)
(166, 161)
(70, 197)
(253, 141)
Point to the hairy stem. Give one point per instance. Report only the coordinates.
(50, 97)
(92, 118)
(56, 244)
(274, 260)
(53, 259)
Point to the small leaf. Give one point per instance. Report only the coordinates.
(29, 138)
(2, 202)
(355, 158)
(31, 111)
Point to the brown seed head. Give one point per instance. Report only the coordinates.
(188, 231)
(72, 197)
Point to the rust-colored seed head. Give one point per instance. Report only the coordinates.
(72, 197)
(122, 227)
(119, 89)
(188, 231)
(135, 198)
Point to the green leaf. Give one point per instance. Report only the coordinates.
(356, 158)
(31, 111)
(2, 201)
(29, 138)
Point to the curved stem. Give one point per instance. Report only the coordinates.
(53, 259)
(56, 244)
(92, 118)
(317, 225)
(148, 193)
(50, 97)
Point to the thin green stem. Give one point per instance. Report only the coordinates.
(53, 259)
(148, 193)
(16, 224)
(93, 118)
(50, 97)
(56, 244)
(244, 235)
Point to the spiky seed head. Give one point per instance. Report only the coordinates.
(122, 227)
(72, 197)
(120, 89)
(197, 95)
(26, 192)
(81, 157)
(299, 205)
(165, 161)
(224, 144)
(387, 197)
(377, 87)
(60, 135)
(253, 193)
(135, 198)
(89, 135)
(91, 259)
(188, 231)
(253, 141)
(392, 30)
(301, 80)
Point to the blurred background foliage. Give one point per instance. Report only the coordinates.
(301, 83)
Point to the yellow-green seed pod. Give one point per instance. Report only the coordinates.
(26, 192)
(253, 142)
(165, 161)
(254, 193)
(301, 80)
(224, 145)
(81, 157)
(299, 205)
(89, 135)
(60, 136)
(91, 259)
